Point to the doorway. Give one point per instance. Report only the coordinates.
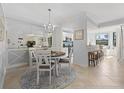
(68, 43)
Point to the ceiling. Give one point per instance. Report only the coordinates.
(68, 15)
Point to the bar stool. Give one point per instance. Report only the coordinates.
(91, 59)
(99, 55)
(102, 55)
(96, 57)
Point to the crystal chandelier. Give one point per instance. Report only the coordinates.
(49, 27)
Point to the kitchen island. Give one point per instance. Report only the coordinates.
(17, 57)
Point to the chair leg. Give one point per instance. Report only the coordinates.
(69, 67)
(99, 59)
(94, 63)
(89, 63)
(50, 78)
(37, 77)
(53, 71)
(57, 73)
(54, 74)
(59, 67)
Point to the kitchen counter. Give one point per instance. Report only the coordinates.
(17, 57)
(17, 49)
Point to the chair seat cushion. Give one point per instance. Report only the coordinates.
(46, 66)
(64, 60)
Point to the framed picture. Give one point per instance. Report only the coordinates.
(79, 35)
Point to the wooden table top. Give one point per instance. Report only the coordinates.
(57, 53)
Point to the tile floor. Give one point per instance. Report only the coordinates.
(108, 74)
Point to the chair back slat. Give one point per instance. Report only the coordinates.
(32, 54)
(44, 56)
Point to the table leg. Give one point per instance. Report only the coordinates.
(30, 63)
(57, 72)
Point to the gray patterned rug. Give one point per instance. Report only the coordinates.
(28, 80)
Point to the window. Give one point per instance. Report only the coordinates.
(67, 39)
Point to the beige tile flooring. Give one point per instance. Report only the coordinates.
(108, 74)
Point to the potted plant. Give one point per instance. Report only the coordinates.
(30, 43)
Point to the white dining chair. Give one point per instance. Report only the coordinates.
(66, 60)
(43, 59)
(32, 59)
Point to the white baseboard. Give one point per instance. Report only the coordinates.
(17, 65)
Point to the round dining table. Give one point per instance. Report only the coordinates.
(56, 55)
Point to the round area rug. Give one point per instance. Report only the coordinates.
(28, 80)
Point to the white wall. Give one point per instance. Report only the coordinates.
(3, 61)
(3, 50)
(80, 55)
(120, 44)
(91, 38)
